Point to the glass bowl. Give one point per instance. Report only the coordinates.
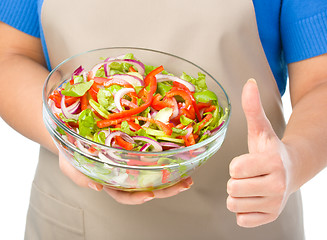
(118, 168)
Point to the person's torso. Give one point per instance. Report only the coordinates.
(220, 36)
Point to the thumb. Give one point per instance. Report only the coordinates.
(257, 122)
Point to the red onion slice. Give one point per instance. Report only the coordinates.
(105, 68)
(189, 131)
(169, 144)
(114, 58)
(145, 147)
(175, 109)
(78, 71)
(105, 159)
(69, 111)
(119, 95)
(84, 149)
(156, 145)
(53, 107)
(125, 136)
(128, 103)
(131, 79)
(106, 132)
(217, 128)
(164, 77)
(138, 65)
(147, 123)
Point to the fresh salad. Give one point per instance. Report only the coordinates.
(125, 104)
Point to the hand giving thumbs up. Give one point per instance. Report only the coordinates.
(258, 187)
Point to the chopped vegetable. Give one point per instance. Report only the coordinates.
(125, 104)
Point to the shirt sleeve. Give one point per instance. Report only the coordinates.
(21, 14)
(303, 29)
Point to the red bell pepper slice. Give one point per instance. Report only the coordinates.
(210, 109)
(180, 85)
(106, 123)
(197, 112)
(131, 69)
(190, 103)
(202, 105)
(84, 102)
(93, 91)
(70, 100)
(204, 121)
(90, 76)
(158, 104)
(56, 97)
(134, 125)
(124, 144)
(167, 129)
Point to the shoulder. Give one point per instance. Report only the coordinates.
(303, 29)
(22, 15)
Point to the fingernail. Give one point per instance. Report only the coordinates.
(189, 181)
(252, 80)
(184, 189)
(149, 198)
(93, 186)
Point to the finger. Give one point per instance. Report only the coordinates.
(76, 176)
(267, 185)
(249, 187)
(250, 220)
(251, 165)
(257, 122)
(129, 198)
(253, 204)
(175, 189)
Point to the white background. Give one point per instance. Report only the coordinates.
(18, 165)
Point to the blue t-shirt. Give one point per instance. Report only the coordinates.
(289, 30)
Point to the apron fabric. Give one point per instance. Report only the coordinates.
(220, 36)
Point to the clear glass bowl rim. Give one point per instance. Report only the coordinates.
(166, 152)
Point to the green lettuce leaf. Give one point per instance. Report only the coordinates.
(77, 90)
(205, 96)
(199, 83)
(185, 120)
(87, 123)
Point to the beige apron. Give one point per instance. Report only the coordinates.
(220, 36)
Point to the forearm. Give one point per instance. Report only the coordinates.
(306, 136)
(22, 81)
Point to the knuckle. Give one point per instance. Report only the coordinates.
(279, 187)
(231, 204)
(234, 167)
(276, 204)
(231, 187)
